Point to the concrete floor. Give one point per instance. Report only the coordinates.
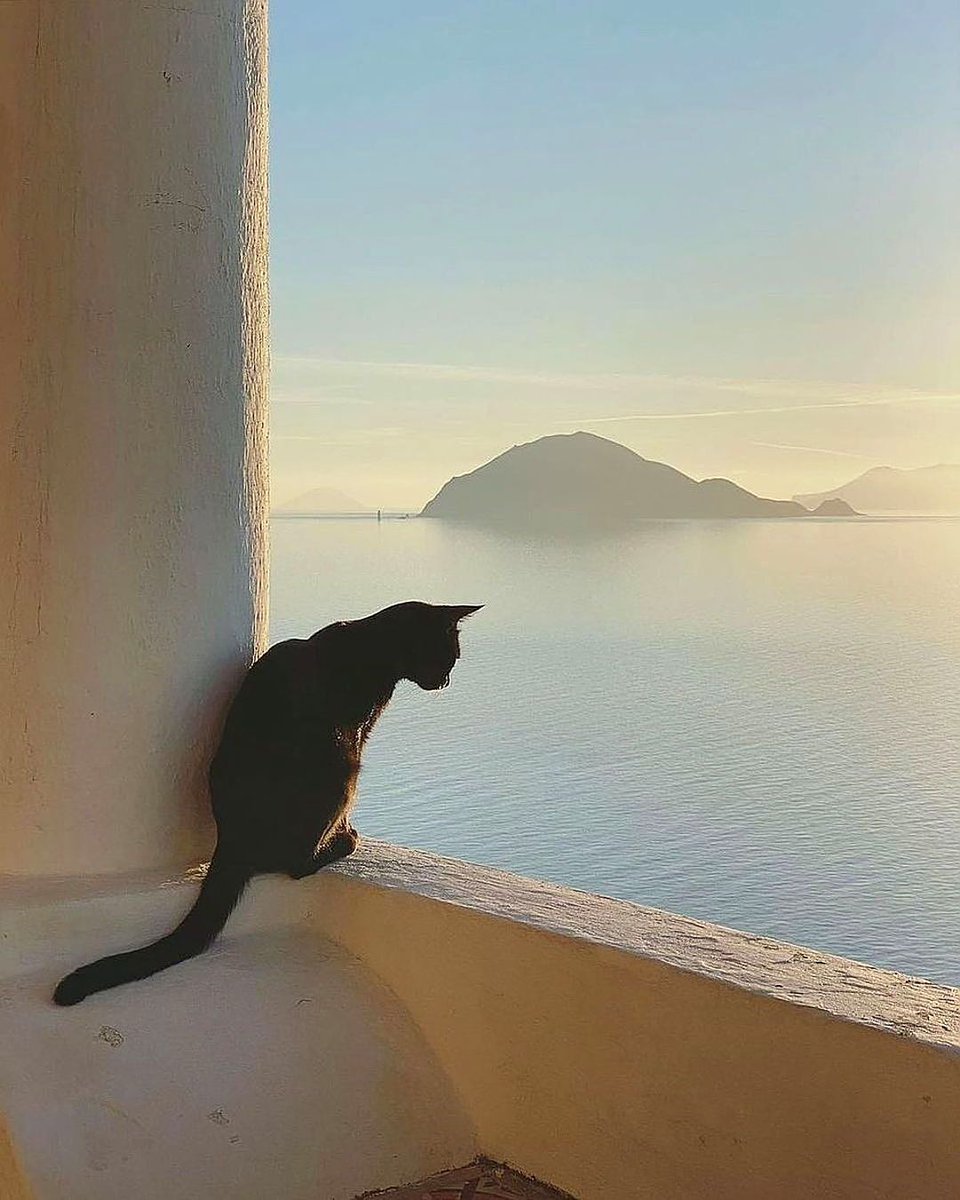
(274, 1065)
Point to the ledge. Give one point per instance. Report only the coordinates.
(612, 1049)
(841, 987)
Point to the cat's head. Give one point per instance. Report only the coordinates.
(427, 640)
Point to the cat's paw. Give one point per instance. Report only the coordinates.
(339, 846)
(308, 867)
(345, 842)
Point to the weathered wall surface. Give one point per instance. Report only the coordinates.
(132, 418)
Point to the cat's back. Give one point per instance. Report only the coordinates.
(277, 675)
(281, 692)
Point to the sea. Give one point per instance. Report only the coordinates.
(750, 722)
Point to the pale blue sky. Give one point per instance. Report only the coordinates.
(493, 220)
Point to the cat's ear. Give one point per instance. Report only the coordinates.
(458, 612)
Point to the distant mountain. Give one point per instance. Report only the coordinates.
(582, 480)
(924, 490)
(321, 501)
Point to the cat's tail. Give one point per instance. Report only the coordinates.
(219, 893)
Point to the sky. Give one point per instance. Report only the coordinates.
(725, 235)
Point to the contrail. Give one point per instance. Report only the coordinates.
(886, 401)
(814, 450)
(811, 395)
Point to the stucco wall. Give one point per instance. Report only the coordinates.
(132, 417)
(624, 1052)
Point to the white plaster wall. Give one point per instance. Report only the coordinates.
(132, 418)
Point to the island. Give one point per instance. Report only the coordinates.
(322, 502)
(834, 507)
(582, 480)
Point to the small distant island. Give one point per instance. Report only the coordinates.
(580, 479)
(921, 491)
(323, 502)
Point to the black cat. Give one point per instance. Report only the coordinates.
(284, 776)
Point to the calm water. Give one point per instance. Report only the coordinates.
(754, 723)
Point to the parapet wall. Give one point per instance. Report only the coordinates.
(626, 1052)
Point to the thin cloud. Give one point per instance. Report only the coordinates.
(886, 401)
(326, 399)
(813, 450)
(356, 437)
(809, 394)
(318, 440)
(339, 396)
(464, 374)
